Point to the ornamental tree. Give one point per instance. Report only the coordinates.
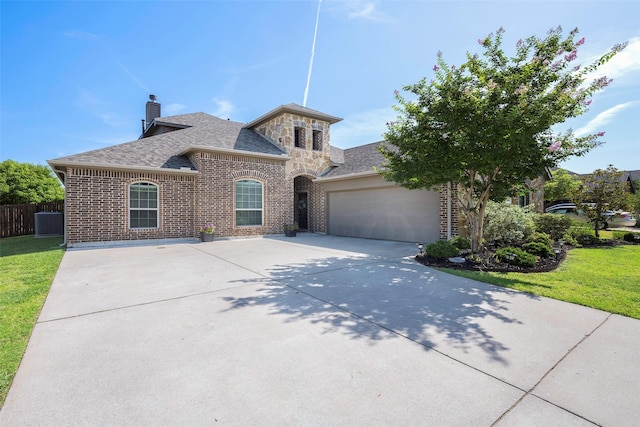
(601, 191)
(486, 125)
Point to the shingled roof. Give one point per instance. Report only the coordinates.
(357, 160)
(168, 150)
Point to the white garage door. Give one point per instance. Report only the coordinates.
(391, 213)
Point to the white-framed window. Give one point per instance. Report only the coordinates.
(143, 205)
(249, 202)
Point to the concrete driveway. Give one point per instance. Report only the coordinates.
(315, 330)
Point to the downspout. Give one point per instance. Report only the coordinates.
(64, 217)
(448, 210)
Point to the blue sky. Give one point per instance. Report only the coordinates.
(75, 75)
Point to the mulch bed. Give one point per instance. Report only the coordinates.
(487, 261)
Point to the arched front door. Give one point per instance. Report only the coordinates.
(301, 187)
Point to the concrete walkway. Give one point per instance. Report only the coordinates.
(316, 330)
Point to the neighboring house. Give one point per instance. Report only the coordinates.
(632, 177)
(535, 193)
(248, 179)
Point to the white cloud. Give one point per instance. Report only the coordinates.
(623, 64)
(79, 34)
(362, 128)
(603, 118)
(224, 108)
(95, 106)
(173, 109)
(364, 10)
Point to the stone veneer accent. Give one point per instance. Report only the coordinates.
(455, 211)
(305, 161)
(97, 205)
(280, 130)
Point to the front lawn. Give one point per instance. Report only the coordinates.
(27, 268)
(606, 278)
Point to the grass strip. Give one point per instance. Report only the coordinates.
(27, 268)
(605, 278)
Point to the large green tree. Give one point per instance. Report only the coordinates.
(562, 186)
(27, 183)
(487, 124)
(599, 192)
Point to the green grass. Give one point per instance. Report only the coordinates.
(27, 268)
(604, 278)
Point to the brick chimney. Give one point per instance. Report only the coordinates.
(153, 110)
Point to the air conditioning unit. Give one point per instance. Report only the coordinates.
(49, 224)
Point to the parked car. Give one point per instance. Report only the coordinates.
(612, 218)
(621, 219)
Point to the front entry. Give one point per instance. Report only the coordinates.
(301, 210)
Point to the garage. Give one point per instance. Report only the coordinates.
(373, 208)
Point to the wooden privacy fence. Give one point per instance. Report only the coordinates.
(18, 220)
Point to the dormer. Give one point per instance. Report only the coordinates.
(297, 130)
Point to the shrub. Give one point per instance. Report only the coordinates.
(538, 248)
(507, 223)
(628, 237)
(441, 249)
(580, 230)
(570, 240)
(554, 225)
(460, 242)
(543, 238)
(587, 239)
(617, 234)
(521, 258)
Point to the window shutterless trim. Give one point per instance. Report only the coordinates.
(147, 209)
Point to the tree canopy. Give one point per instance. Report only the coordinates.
(487, 124)
(601, 191)
(562, 187)
(28, 183)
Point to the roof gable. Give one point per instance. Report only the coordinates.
(294, 109)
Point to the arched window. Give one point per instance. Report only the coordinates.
(248, 202)
(143, 205)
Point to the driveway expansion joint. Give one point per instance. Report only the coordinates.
(548, 372)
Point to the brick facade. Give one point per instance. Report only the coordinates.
(97, 205)
(215, 192)
(449, 193)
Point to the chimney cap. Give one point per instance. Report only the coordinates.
(153, 98)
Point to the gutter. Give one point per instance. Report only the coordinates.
(182, 171)
(201, 148)
(347, 176)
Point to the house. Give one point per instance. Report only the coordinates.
(249, 179)
(534, 192)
